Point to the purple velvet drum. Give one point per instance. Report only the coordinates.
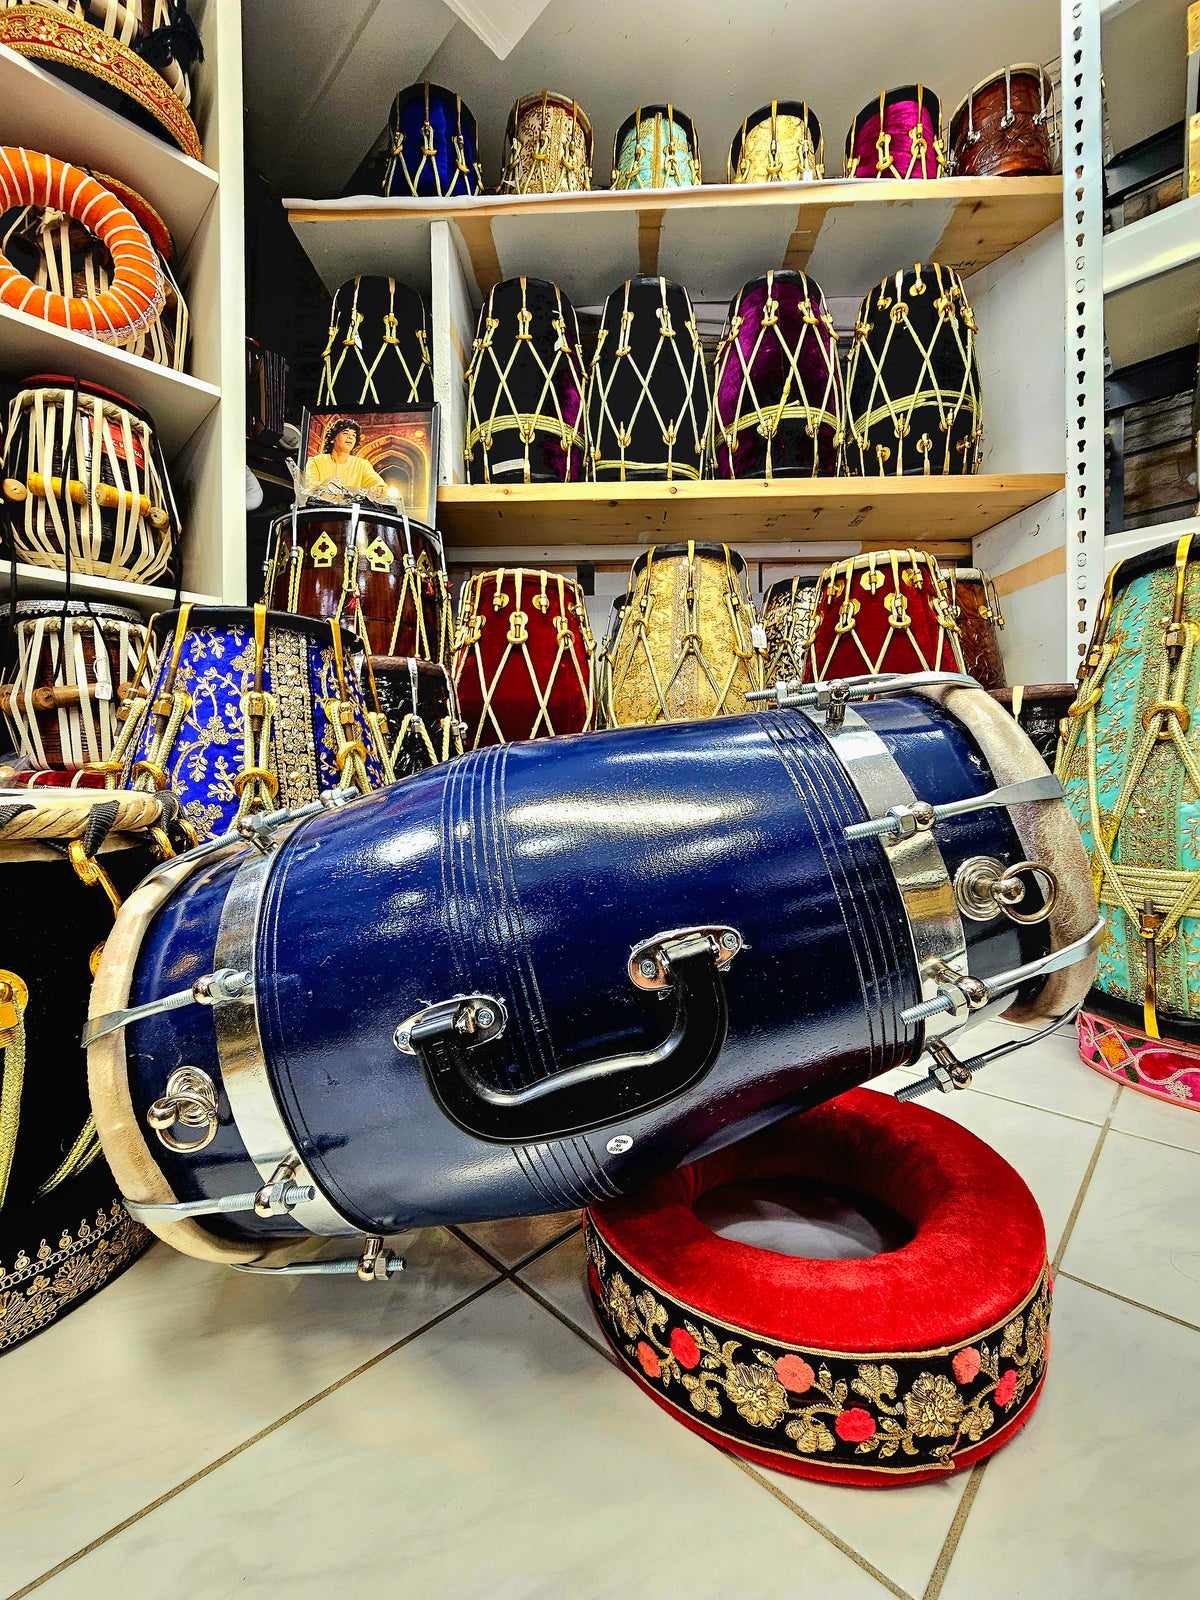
(778, 405)
(898, 136)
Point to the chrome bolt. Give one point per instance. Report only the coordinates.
(400, 1038)
(648, 968)
(484, 1017)
(730, 940)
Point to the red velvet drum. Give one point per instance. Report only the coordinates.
(899, 135)
(883, 612)
(523, 657)
(883, 1371)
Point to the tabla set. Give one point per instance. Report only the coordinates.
(776, 406)
(1006, 126)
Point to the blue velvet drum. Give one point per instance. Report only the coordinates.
(541, 974)
(249, 710)
(434, 144)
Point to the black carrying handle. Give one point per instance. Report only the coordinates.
(591, 1095)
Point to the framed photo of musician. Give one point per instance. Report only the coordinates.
(386, 456)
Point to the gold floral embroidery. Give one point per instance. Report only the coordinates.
(924, 1409)
(41, 1287)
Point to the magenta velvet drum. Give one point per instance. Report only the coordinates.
(899, 135)
(778, 406)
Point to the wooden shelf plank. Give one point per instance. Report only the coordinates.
(875, 513)
(43, 113)
(34, 583)
(713, 238)
(177, 403)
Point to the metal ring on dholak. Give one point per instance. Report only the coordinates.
(1050, 895)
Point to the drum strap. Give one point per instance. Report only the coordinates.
(342, 715)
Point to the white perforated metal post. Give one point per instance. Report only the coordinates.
(1083, 243)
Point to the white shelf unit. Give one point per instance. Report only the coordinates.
(1006, 235)
(199, 415)
(1152, 283)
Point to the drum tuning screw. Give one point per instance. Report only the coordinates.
(730, 940)
(648, 968)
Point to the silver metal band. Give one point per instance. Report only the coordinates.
(916, 862)
(256, 1113)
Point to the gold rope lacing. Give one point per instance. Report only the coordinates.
(788, 622)
(429, 155)
(838, 582)
(954, 315)
(345, 350)
(549, 148)
(918, 146)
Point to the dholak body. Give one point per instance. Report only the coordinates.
(1128, 761)
(648, 386)
(545, 885)
(1041, 709)
(382, 575)
(976, 608)
(434, 144)
(526, 414)
(1004, 127)
(61, 704)
(780, 143)
(63, 1230)
(523, 657)
(549, 146)
(248, 710)
(116, 516)
(686, 643)
(883, 612)
(913, 395)
(417, 698)
(787, 617)
(63, 257)
(897, 136)
(176, 44)
(656, 147)
(778, 405)
(377, 353)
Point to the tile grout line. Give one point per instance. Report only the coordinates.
(946, 1554)
(1069, 1229)
(1138, 1305)
(246, 1444)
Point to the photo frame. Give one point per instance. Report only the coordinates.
(392, 461)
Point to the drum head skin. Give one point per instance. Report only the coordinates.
(884, 1371)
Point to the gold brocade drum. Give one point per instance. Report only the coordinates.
(549, 146)
(780, 143)
(657, 147)
(787, 619)
(688, 644)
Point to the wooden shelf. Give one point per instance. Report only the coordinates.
(177, 403)
(36, 582)
(43, 113)
(848, 233)
(940, 514)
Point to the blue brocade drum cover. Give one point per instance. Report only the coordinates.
(434, 144)
(248, 710)
(543, 973)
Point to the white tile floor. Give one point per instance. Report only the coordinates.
(195, 1434)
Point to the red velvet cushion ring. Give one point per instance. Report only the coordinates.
(889, 1370)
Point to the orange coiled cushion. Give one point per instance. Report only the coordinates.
(135, 296)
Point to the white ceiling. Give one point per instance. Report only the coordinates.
(320, 74)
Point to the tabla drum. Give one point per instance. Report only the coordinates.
(548, 144)
(381, 575)
(526, 411)
(648, 386)
(1128, 766)
(66, 861)
(523, 657)
(787, 618)
(417, 698)
(1041, 709)
(657, 147)
(116, 517)
(72, 660)
(1004, 128)
(913, 396)
(976, 608)
(569, 965)
(248, 711)
(63, 257)
(434, 144)
(780, 143)
(897, 136)
(377, 353)
(689, 644)
(887, 611)
(778, 404)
